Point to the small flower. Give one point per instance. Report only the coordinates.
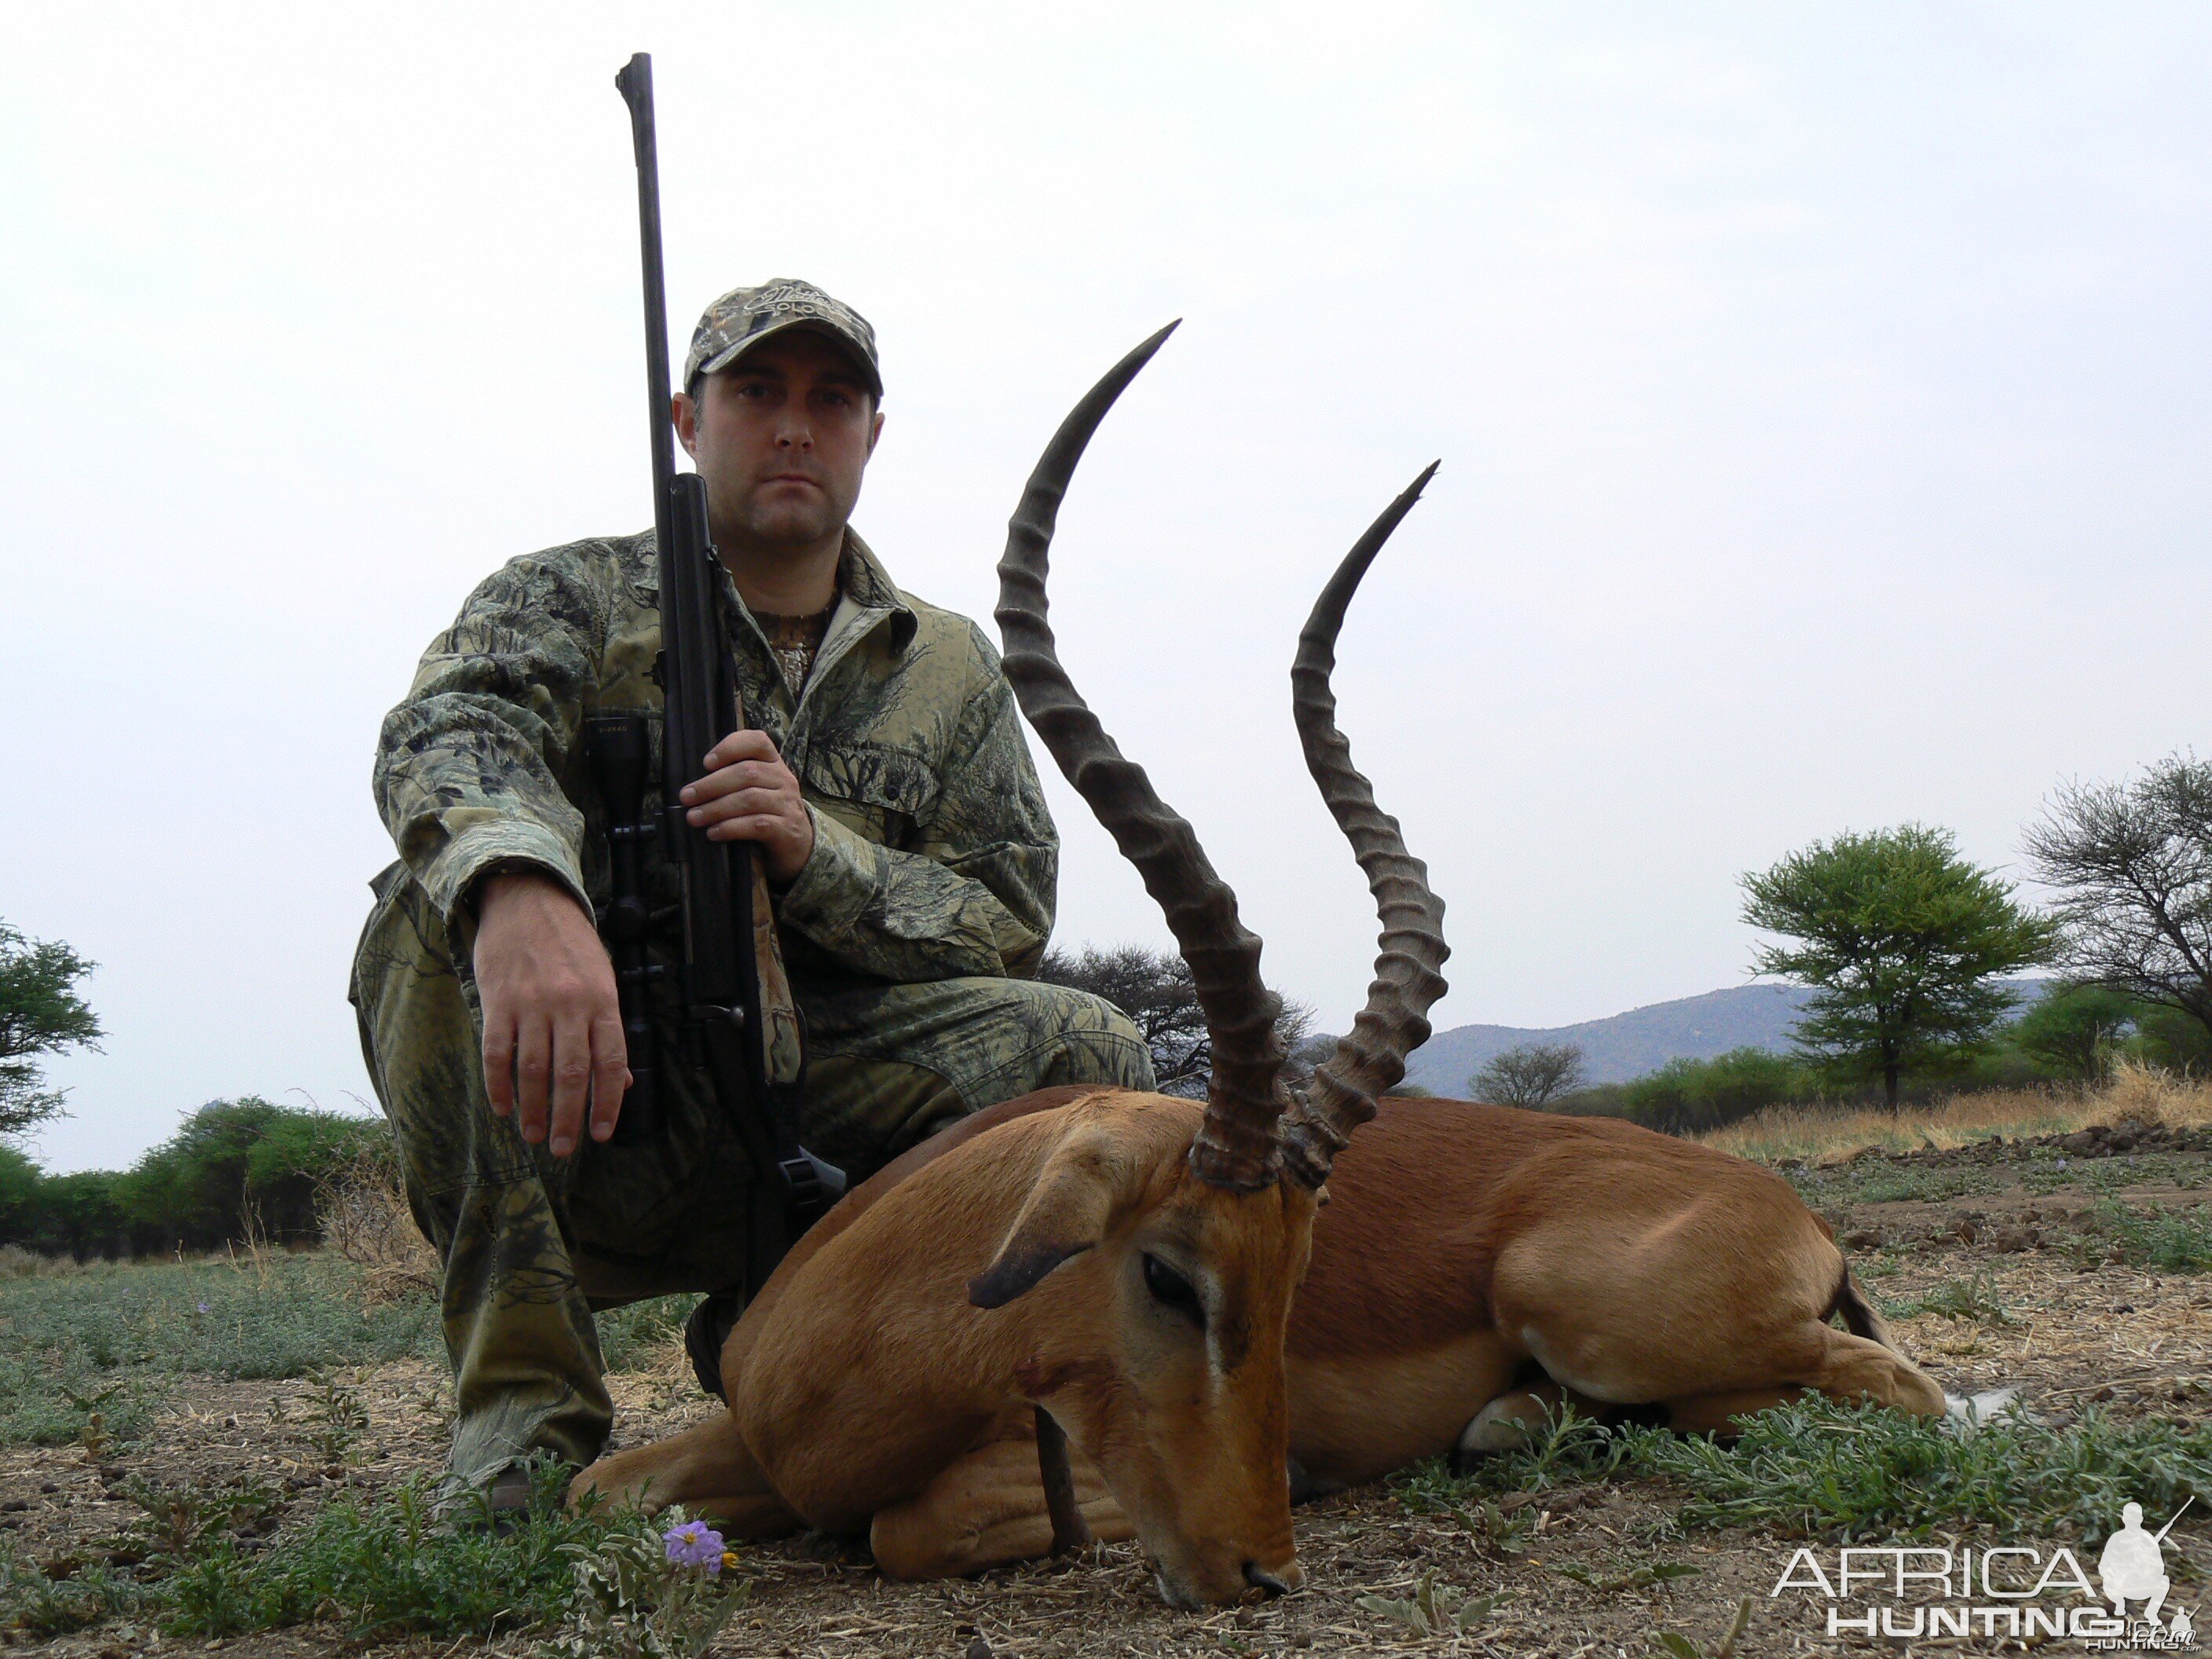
(694, 1544)
(203, 1307)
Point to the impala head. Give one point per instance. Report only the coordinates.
(1160, 1243)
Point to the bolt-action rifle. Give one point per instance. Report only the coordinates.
(737, 1013)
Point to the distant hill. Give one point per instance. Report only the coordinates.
(1629, 1045)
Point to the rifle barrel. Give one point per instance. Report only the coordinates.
(635, 81)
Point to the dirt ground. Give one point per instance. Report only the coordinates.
(2138, 1342)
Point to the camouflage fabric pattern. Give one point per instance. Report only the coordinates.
(743, 316)
(532, 1244)
(934, 857)
(908, 936)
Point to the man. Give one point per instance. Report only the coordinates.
(900, 823)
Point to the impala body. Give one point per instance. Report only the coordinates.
(1145, 1278)
(1473, 1266)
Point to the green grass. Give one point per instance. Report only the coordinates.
(1885, 1183)
(627, 1336)
(2171, 1241)
(389, 1567)
(2109, 1175)
(382, 1568)
(1821, 1469)
(1975, 1299)
(85, 1353)
(103, 1337)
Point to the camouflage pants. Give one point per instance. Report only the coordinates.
(532, 1244)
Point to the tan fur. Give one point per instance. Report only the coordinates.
(1463, 1250)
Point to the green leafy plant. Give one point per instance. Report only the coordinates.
(173, 1519)
(1976, 1299)
(391, 1566)
(335, 1418)
(1432, 1609)
(1822, 1468)
(658, 1589)
(2174, 1240)
(38, 1602)
(1643, 1576)
(94, 1434)
(1683, 1648)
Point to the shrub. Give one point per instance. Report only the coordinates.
(1692, 1096)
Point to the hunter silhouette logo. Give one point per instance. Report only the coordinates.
(2133, 1568)
(2012, 1591)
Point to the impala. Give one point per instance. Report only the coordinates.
(1073, 1314)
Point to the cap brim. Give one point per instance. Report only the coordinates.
(869, 377)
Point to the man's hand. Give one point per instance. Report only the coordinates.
(749, 794)
(553, 1029)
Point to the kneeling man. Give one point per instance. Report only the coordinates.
(905, 838)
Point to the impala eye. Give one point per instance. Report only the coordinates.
(1171, 1289)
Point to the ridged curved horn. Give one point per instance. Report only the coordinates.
(1406, 984)
(1236, 1146)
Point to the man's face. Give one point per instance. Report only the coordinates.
(781, 438)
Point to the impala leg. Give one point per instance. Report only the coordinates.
(1848, 1368)
(987, 1509)
(707, 1469)
(1511, 1421)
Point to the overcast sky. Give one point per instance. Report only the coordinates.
(1821, 392)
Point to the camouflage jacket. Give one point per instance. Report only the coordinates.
(934, 856)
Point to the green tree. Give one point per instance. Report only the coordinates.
(1531, 1074)
(1155, 989)
(40, 1013)
(2077, 1029)
(1901, 940)
(239, 1167)
(2132, 863)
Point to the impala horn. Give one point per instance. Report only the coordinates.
(1236, 1146)
(1372, 1058)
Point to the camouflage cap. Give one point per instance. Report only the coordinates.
(743, 316)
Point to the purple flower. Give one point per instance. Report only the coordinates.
(203, 1307)
(694, 1544)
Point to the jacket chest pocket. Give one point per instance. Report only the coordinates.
(884, 793)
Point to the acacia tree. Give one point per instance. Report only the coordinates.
(1901, 940)
(1155, 989)
(2077, 1030)
(2133, 866)
(40, 1013)
(1532, 1074)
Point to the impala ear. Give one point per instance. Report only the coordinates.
(1066, 1214)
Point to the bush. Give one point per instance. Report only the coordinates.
(1598, 1100)
(1690, 1096)
(238, 1170)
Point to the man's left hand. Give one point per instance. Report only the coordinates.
(749, 794)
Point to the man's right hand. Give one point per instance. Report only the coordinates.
(553, 1030)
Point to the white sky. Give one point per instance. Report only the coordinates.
(1821, 390)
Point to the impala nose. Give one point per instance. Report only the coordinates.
(1259, 1578)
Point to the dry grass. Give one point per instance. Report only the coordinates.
(365, 1218)
(16, 1262)
(1814, 1134)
